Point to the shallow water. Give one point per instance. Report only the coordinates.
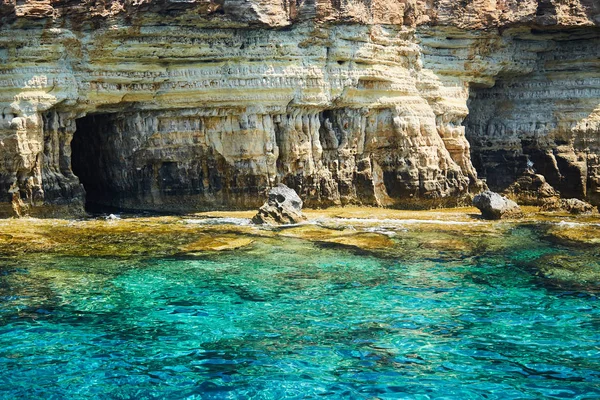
(292, 318)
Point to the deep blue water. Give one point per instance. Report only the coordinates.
(293, 319)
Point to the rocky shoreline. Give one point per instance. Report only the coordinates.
(142, 233)
(380, 232)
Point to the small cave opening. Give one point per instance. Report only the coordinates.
(90, 161)
(496, 151)
(517, 141)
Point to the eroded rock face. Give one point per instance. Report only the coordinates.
(547, 120)
(283, 206)
(495, 206)
(182, 106)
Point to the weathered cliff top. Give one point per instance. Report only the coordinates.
(465, 14)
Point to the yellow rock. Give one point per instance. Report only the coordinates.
(211, 243)
(447, 244)
(313, 232)
(363, 241)
(581, 233)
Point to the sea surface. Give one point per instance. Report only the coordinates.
(285, 317)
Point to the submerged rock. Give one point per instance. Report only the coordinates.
(574, 272)
(284, 206)
(494, 206)
(362, 241)
(569, 233)
(573, 206)
(216, 243)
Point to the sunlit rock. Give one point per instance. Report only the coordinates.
(283, 206)
(363, 241)
(532, 188)
(495, 206)
(216, 243)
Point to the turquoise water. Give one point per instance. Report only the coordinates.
(293, 319)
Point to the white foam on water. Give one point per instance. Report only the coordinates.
(575, 224)
(382, 231)
(219, 221)
(383, 226)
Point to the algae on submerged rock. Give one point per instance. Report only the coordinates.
(216, 243)
(405, 236)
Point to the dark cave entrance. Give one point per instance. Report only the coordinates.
(497, 159)
(127, 161)
(90, 161)
(509, 139)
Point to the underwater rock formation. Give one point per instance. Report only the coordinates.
(202, 104)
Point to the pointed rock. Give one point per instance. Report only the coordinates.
(284, 206)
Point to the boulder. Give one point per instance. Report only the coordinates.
(284, 206)
(573, 206)
(531, 188)
(494, 206)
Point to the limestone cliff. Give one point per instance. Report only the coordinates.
(180, 105)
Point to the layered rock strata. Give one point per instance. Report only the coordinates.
(181, 106)
(547, 120)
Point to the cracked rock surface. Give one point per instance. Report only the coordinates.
(283, 206)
